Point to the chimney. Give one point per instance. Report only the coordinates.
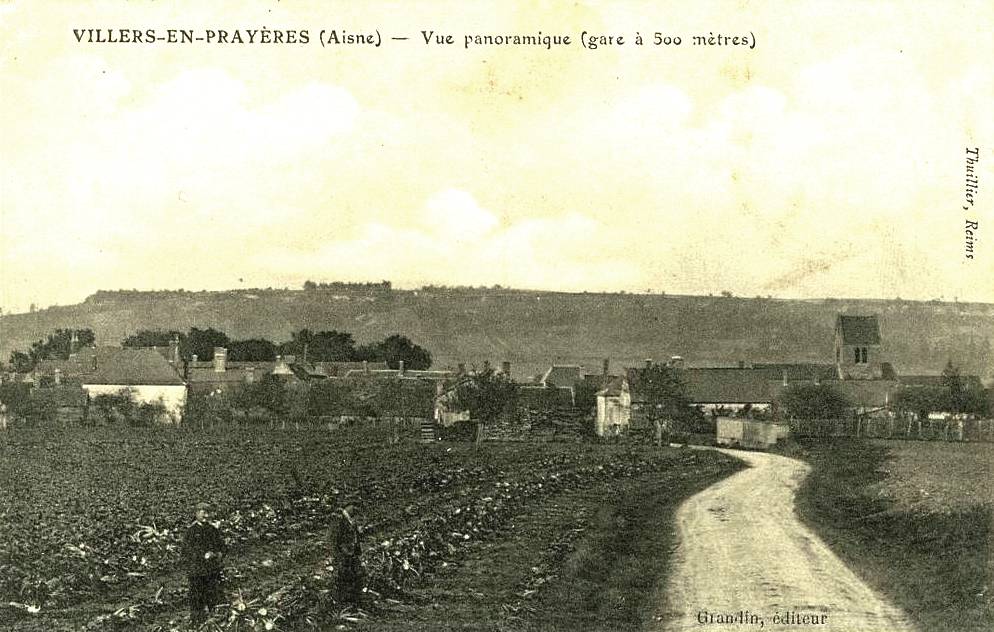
(220, 359)
(785, 377)
(742, 365)
(676, 362)
(607, 367)
(648, 363)
(58, 376)
(250, 375)
(174, 349)
(461, 368)
(73, 343)
(193, 359)
(505, 368)
(400, 367)
(365, 366)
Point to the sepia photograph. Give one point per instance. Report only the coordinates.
(498, 316)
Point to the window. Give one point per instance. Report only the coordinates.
(864, 355)
(856, 349)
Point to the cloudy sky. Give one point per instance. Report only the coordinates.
(829, 161)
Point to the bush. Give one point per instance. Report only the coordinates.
(815, 401)
(122, 408)
(460, 431)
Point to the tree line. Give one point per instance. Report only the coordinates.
(319, 346)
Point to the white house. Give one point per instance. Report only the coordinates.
(614, 409)
(144, 373)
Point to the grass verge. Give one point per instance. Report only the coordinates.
(933, 559)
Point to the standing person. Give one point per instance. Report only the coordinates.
(203, 550)
(348, 554)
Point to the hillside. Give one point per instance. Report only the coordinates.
(532, 328)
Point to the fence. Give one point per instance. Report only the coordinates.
(896, 428)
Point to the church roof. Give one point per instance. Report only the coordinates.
(858, 330)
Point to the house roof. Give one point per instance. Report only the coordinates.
(339, 369)
(545, 397)
(858, 330)
(563, 375)
(805, 371)
(728, 386)
(131, 367)
(78, 364)
(395, 373)
(204, 373)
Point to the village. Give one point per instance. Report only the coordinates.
(744, 404)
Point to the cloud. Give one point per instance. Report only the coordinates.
(192, 160)
(457, 242)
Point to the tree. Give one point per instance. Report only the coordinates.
(151, 338)
(814, 401)
(486, 395)
(201, 343)
(664, 393)
(330, 397)
(21, 362)
(323, 346)
(251, 350)
(269, 393)
(56, 345)
(401, 398)
(921, 400)
(393, 350)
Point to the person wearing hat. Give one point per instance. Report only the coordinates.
(203, 550)
(348, 556)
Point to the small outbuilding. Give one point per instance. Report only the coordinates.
(749, 433)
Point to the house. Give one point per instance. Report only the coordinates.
(446, 410)
(859, 373)
(626, 401)
(614, 408)
(858, 351)
(145, 374)
(749, 433)
(531, 398)
(220, 374)
(730, 389)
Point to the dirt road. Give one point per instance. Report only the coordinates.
(745, 562)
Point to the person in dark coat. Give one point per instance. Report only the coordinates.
(348, 557)
(203, 552)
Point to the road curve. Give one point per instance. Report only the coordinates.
(745, 562)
